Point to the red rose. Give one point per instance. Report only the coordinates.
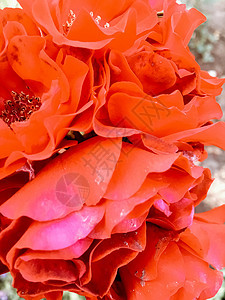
(160, 85)
(41, 88)
(128, 111)
(93, 197)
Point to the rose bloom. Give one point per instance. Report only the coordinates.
(76, 229)
(160, 85)
(42, 88)
(93, 25)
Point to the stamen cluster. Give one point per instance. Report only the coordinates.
(19, 108)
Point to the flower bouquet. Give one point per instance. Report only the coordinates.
(104, 116)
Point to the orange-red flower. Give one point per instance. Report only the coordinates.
(159, 85)
(41, 88)
(92, 211)
(128, 110)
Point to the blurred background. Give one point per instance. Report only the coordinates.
(208, 46)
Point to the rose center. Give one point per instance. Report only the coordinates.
(19, 108)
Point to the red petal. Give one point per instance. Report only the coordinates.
(81, 175)
(125, 182)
